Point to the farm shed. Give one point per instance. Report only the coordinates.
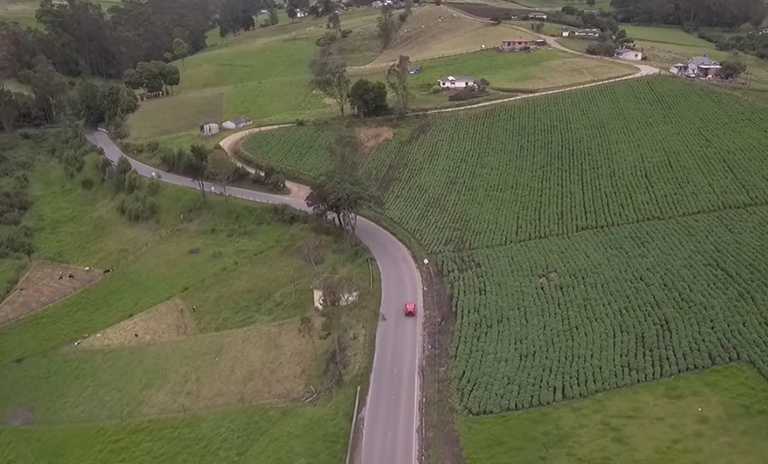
(208, 128)
(537, 15)
(236, 123)
(628, 54)
(581, 33)
(451, 82)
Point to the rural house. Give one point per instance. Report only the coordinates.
(628, 54)
(697, 67)
(537, 15)
(208, 128)
(236, 123)
(515, 45)
(451, 82)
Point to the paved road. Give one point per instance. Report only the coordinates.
(391, 431)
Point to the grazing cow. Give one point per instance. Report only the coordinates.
(71, 276)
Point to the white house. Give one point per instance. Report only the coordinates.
(698, 66)
(537, 15)
(460, 82)
(581, 33)
(208, 128)
(236, 123)
(628, 54)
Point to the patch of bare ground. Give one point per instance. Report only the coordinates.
(372, 137)
(45, 283)
(19, 416)
(167, 321)
(441, 438)
(266, 364)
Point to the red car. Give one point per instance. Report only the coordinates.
(410, 309)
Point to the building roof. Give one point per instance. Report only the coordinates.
(516, 40)
(701, 60)
(240, 119)
(207, 121)
(622, 51)
(463, 78)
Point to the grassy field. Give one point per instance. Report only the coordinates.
(239, 279)
(716, 416)
(583, 235)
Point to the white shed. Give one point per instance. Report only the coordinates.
(451, 82)
(628, 54)
(208, 128)
(236, 123)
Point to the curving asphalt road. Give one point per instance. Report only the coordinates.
(391, 416)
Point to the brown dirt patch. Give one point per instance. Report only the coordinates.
(167, 321)
(19, 416)
(372, 137)
(44, 283)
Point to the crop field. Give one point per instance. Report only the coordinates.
(592, 240)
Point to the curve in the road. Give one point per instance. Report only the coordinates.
(391, 415)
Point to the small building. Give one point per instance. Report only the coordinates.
(515, 45)
(237, 123)
(628, 54)
(208, 128)
(537, 15)
(540, 42)
(460, 82)
(581, 33)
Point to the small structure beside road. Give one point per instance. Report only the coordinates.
(581, 33)
(461, 82)
(628, 54)
(701, 67)
(237, 122)
(208, 127)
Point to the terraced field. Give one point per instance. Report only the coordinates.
(592, 240)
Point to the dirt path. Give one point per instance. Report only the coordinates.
(231, 143)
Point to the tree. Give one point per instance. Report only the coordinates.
(338, 196)
(9, 109)
(537, 27)
(591, 2)
(368, 98)
(291, 12)
(91, 108)
(223, 171)
(334, 22)
(152, 76)
(386, 27)
(196, 165)
(171, 76)
(273, 18)
(326, 7)
(180, 50)
(732, 67)
(329, 75)
(49, 88)
(397, 78)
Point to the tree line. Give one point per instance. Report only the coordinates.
(691, 13)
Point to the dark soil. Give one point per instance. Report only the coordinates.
(441, 438)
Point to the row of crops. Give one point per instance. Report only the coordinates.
(592, 240)
(568, 317)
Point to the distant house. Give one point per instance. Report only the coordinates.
(581, 33)
(208, 128)
(236, 123)
(301, 14)
(537, 15)
(515, 45)
(460, 82)
(628, 54)
(697, 67)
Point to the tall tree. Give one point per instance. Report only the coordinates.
(329, 76)
(9, 109)
(334, 22)
(291, 12)
(397, 78)
(90, 106)
(180, 50)
(196, 165)
(386, 27)
(368, 98)
(48, 86)
(337, 195)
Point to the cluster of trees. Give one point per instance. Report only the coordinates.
(607, 44)
(15, 238)
(691, 13)
(571, 16)
(366, 98)
(134, 194)
(79, 37)
(55, 98)
(752, 43)
(152, 77)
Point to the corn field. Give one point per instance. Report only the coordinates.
(592, 239)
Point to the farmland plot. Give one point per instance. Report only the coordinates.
(592, 240)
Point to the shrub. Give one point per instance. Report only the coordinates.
(16, 241)
(601, 49)
(327, 39)
(137, 207)
(275, 182)
(287, 215)
(86, 183)
(345, 33)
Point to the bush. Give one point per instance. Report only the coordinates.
(327, 39)
(601, 49)
(275, 182)
(86, 183)
(137, 207)
(301, 122)
(16, 241)
(153, 187)
(403, 16)
(345, 33)
(287, 215)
